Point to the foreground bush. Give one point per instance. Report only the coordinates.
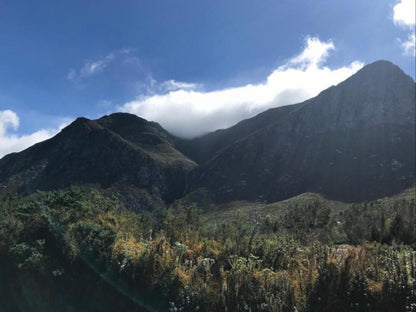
(183, 263)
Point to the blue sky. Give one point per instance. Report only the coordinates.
(186, 64)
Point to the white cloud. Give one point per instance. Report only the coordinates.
(173, 85)
(151, 86)
(91, 68)
(8, 118)
(409, 46)
(187, 112)
(10, 143)
(315, 53)
(404, 16)
(404, 13)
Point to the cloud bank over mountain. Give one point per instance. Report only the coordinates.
(187, 111)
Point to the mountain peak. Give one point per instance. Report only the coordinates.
(122, 118)
(352, 142)
(383, 63)
(379, 93)
(380, 73)
(114, 122)
(112, 151)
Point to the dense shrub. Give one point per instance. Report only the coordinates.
(242, 264)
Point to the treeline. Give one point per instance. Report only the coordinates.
(114, 258)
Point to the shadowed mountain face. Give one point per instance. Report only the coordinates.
(353, 142)
(120, 149)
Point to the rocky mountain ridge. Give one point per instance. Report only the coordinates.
(353, 142)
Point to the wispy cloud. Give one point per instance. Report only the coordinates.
(10, 142)
(93, 67)
(187, 112)
(173, 85)
(313, 55)
(404, 17)
(409, 45)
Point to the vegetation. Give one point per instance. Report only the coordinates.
(78, 250)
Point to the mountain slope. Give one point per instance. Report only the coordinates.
(120, 149)
(353, 142)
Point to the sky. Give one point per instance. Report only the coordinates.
(192, 66)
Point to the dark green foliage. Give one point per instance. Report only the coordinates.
(78, 248)
(385, 221)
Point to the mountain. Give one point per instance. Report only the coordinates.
(115, 151)
(353, 142)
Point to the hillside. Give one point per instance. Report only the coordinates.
(119, 151)
(353, 142)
